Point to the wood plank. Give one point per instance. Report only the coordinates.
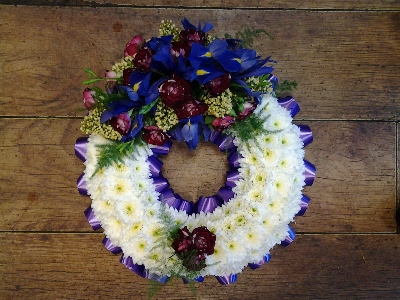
(354, 190)
(277, 4)
(77, 266)
(346, 63)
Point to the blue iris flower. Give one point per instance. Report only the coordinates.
(202, 53)
(187, 25)
(189, 130)
(205, 72)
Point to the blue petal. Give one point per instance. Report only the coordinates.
(139, 82)
(187, 25)
(230, 61)
(199, 52)
(205, 72)
(207, 27)
(136, 126)
(217, 47)
(182, 69)
(153, 92)
(131, 94)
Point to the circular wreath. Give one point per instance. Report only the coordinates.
(223, 93)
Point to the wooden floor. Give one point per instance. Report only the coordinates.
(345, 56)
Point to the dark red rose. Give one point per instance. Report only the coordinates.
(133, 46)
(143, 59)
(190, 36)
(203, 240)
(174, 90)
(218, 85)
(194, 262)
(248, 108)
(184, 242)
(223, 123)
(180, 48)
(189, 108)
(126, 74)
(121, 123)
(154, 135)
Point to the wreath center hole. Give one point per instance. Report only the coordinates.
(197, 173)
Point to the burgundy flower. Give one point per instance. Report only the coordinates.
(174, 90)
(223, 123)
(218, 85)
(154, 135)
(193, 247)
(88, 99)
(189, 108)
(203, 240)
(143, 59)
(126, 73)
(180, 48)
(248, 108)
(121, 123)
(190, 36)
(133, 46)
(184, 242)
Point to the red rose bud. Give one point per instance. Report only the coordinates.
(180, 48)
(218, 85)
(154, 135)
(248, 108)
(133, 46)
(121, 123)
(174, 90)
(190, 108)
(88, 99)
(203, 240)
(126, 74)
(223, 123)
(190, 36)
(143, 59)
(110, 75)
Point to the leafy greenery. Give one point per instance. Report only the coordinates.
(285, 86)
(248, 128)
(247, 36)
(113, 152)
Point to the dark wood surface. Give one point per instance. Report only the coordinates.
(345, 56)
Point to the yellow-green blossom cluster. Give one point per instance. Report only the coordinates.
(169, 28)
(126, 63)
(91, 124)
(220, 105)
(258, 85)
(165, 117)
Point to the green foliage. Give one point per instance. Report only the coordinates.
(285, 86)
(247, 36)
(113, 153)
(248, 128)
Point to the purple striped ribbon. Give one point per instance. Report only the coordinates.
(160, 183)
(265, 259)
(93, 221)
(233, 158)
(81, 185)
(208, 204)
(290, 104)
(309, 172)
(81, 148)
(163, 149)
(289, 238)
(226, 279)
(303, 205)
(141, 270)
(225, 193)
(110, 246)
(305, 134)
(231, 177)
(155, 165)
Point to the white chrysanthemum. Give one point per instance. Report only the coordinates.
(278, 121)
(129, 211)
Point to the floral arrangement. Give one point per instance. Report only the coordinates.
(188, 85)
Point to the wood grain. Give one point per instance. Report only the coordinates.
(77, 266)
(355, 176)
(346, 63)
(218, 4)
